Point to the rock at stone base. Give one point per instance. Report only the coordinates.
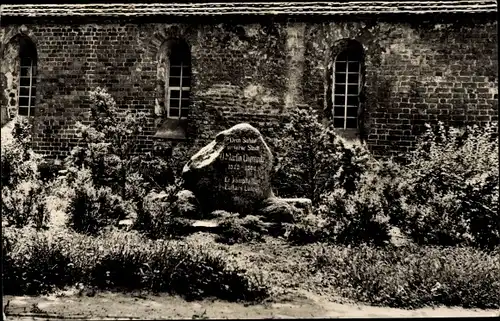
(285, 210)
(304, 204)
(232, 173)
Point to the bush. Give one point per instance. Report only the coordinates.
(39, 262)
(155, 170)
(447, 193)
(18, 161)
(25, 204)
(186, 205)
(49, 170)
(158, 218)
(413, 276)
(358, 216)
(313, 159)
(92, 208)
(24, 194)
(234, 230)
(310, 229)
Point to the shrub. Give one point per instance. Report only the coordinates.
(24, 194)
(447, 193)
(413, 276)
(49, 170)
(358, 216)
(310, 229)
(18, 161)
(25, 204)
(313, 159)
(158, 217)
(91, 208)
(234, 230)
(156, 171)
(108, 143)
(39, 262)
(32, 264)
(187, 206)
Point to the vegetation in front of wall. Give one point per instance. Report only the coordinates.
(445, 194)
(35, 262)
(412, 276)
(24, 193)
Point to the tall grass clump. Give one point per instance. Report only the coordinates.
(413, 276)
(447, 193)
(39, 262)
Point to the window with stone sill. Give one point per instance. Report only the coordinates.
(178, 84)
(347, 86)
(27, 78)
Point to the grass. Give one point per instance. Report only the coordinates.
(401, 277)
(37, 262)
(413, 276)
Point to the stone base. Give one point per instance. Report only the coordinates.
(303, 204)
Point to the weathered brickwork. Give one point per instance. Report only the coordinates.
(414, 73)
(257, 71)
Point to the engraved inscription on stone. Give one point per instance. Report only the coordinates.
(242, 171)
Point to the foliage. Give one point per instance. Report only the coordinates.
(92, 208)
(158, 218)
(35, 262)
(18, 162)
(24, 193)
(313, 158)
(186, 205)
(413, 276)
(233, 229)
(108, 143)
(120, 178)
(310, 229)
(358, 216)
(25, 204)
(447, 194)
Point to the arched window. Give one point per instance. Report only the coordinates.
(178, 84)
(347, 87)
(27, 77)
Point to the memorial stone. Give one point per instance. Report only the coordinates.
(232, 173)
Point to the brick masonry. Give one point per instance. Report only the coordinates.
(258, 70)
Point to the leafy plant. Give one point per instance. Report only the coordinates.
(314, 159)
(92, 208)
(447, 193)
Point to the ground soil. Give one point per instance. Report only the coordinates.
(147, 306)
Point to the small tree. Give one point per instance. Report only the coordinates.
(313, 159)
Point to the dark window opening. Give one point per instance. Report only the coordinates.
(27, 77)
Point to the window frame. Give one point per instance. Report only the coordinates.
(32, 85)
(178, 50)
(346, 53)
(179, 88)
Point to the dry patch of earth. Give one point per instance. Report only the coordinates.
(112, 306)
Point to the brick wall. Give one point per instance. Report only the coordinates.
(257, 71)
(415, 73)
